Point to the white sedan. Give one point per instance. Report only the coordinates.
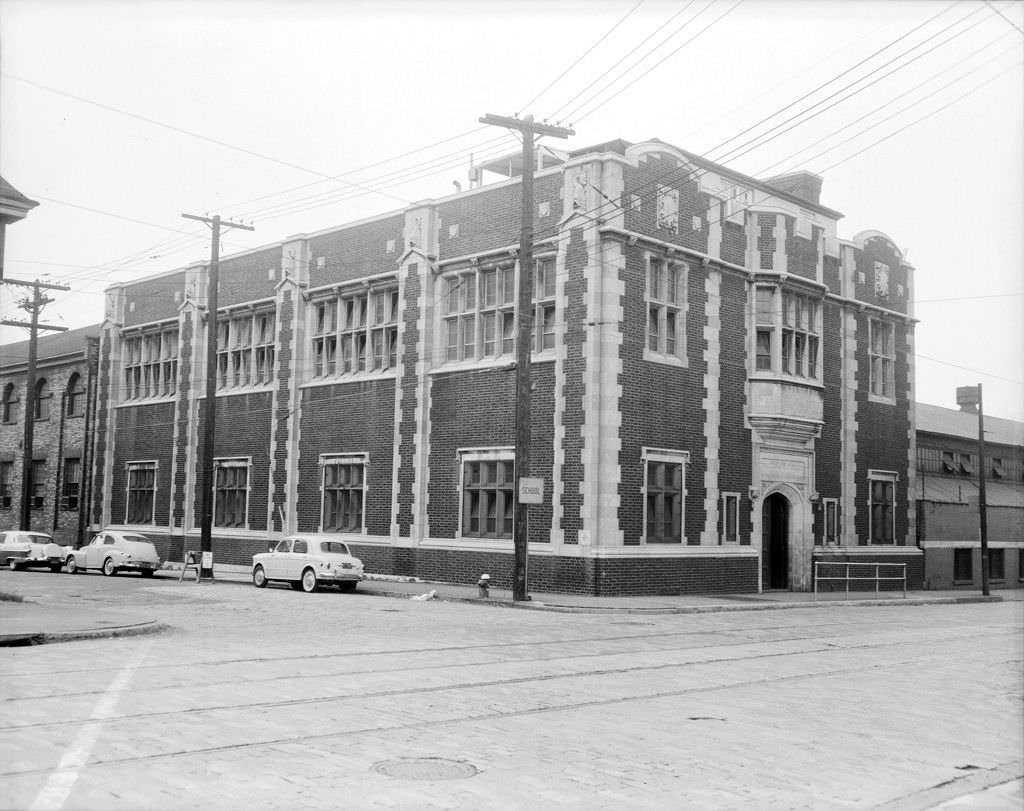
(20, 550)
(307, 563)
(113, 552)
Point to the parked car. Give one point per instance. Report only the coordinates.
(307, 563)
(20, 550)
(113, 552)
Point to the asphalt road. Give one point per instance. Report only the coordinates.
(278, 699)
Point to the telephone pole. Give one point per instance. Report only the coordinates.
(524, 307)
(209, 425)
(970, 396)
(33, 306)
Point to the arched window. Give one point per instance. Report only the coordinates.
(75, 396)
(42, 399)
(9, 406)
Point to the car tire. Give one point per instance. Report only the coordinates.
(259, 578)
(55, 567)
(109, 569)
(72, 565)
(146, 572)
(346, 588)
(308, 582)
(12, 564)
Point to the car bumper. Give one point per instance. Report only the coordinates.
(139, 566)
(339, 577)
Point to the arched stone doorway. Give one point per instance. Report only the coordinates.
(775, 515)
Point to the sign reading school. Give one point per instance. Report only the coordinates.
(531, 491)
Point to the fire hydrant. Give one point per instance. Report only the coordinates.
(483, 586)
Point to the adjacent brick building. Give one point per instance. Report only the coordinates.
(722, 387)
(948, 523)
(63, 432)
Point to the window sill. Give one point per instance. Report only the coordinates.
(504, 362)
(963, 582)
(358, 377)
(167, 398)
(667, 360)
(772, 377)
(877, 398)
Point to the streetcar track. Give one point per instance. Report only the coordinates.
(477, 718)
(404, 691)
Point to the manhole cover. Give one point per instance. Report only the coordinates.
(426, 768)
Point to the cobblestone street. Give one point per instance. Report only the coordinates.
(278, 699)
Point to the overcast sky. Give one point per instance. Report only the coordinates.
(120, 116)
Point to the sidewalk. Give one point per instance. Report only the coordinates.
(27, 623)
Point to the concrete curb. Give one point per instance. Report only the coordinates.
(45, 638)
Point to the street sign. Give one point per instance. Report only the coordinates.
(531, 491)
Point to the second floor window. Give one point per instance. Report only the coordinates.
(787, 333)
(9, 406)
(245, 349)
(141, 493)
(355, 332)
(666, 290)
(42, 399)
(151, 364)
(75, 396)
(882, 355)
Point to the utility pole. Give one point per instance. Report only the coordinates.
(209, 426)
(33, 306)
(524, 307)
(971, 395)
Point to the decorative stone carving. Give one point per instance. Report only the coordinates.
(668, 208)
(881, 280)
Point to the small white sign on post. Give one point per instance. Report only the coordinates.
(207, 560)
(531, 491)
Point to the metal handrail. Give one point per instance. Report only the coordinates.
(848, 578)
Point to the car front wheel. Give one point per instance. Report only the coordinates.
(309, 581)
(109, 569)
(72, 566)
(259, 578)
(12, 564)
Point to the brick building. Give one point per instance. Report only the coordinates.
(722, 388)
(947, 498)
(63, 432)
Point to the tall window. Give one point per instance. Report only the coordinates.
(997, 564)
(37, 483)
(42, 399)
(6, 473)
(355, 332)
(151, 364)
(882, 354)
(963, 570)
(488, 495)
(831, 520)
(666, 290)
(882, 486)
(480, 311)
(787, 333)
(141, 493)
(9, 406)
(730, 518)
(72, 484)
(75, 396)
(343, 483)
(231, 492)
(245, 349)
(664, 494)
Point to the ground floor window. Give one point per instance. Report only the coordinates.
(730, 518)
(6, 472)
(963, 565)
(664, 494)
(71, 485)
(141, 493)
(996, 564)
(344, 479)
(488, 494)
(231, 492)
(882, 500)
(38, 483)
(831, 533)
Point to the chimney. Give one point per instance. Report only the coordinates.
(803, 184)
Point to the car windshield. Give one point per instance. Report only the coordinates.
(337, 547)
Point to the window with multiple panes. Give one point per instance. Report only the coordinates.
(831, 507)
(666, 300)
(6, 475)
(355, 332)
(141, 493)
(344, 479)
(9, 406)
(996, 564)
(488, 495)
(881, 508)
(480, 311)
(75, 396)
(730, 518)
(882, 358)
(231, 492)
(664, 495)
(245, 349)
(151, 364)
(72, 485)
(42, 399)
(963, 565)
(787, 335)
(37, 483)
